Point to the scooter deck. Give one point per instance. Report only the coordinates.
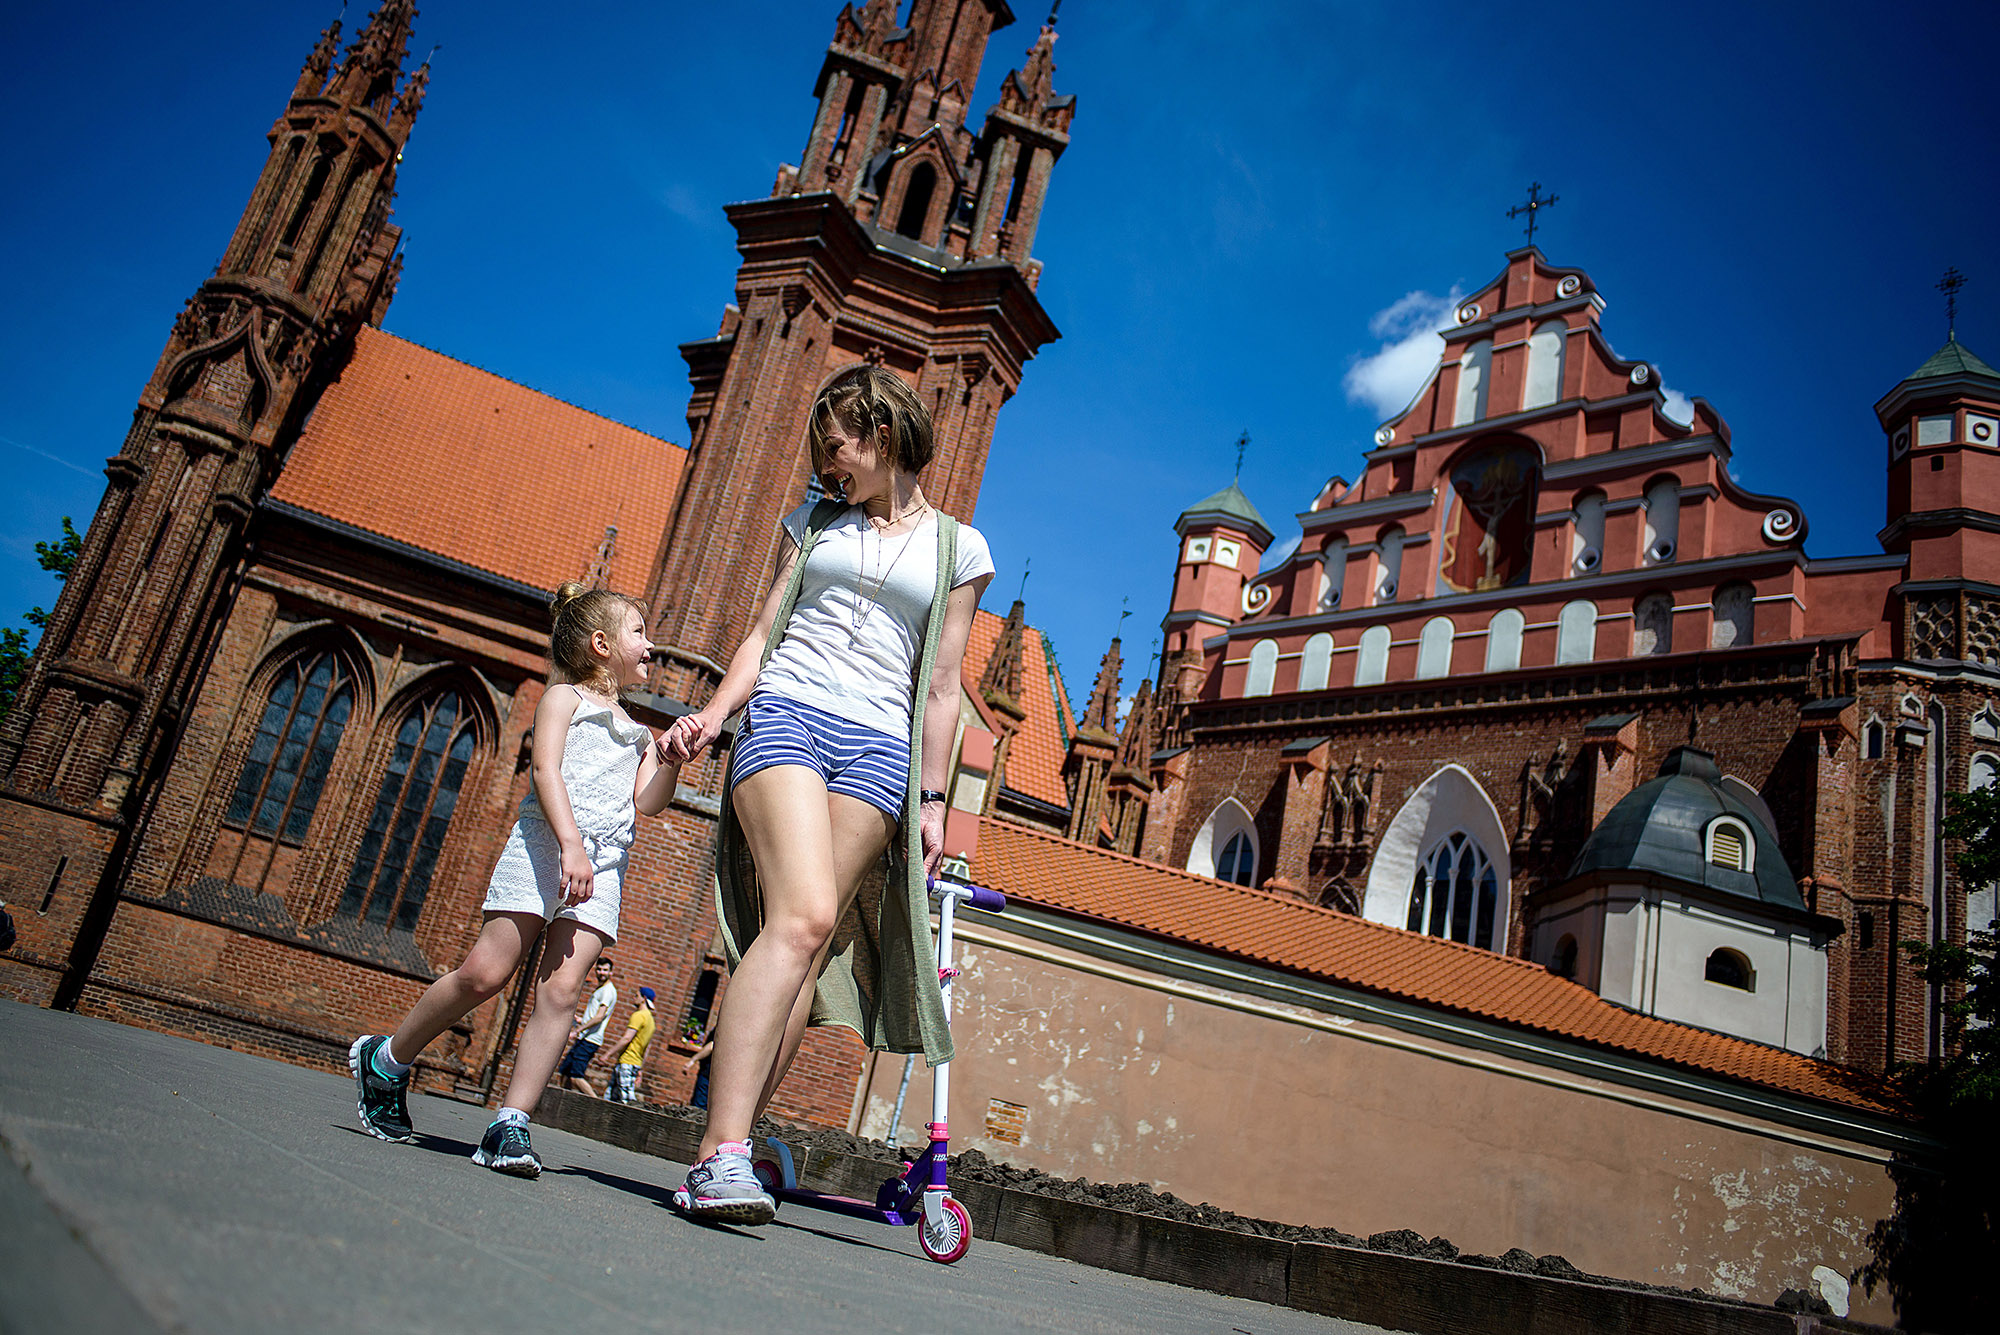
(846, 1205)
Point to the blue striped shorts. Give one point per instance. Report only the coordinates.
(855, 761)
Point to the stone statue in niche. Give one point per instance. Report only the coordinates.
(1541, 781)
(1489, 532)
(1345, 816)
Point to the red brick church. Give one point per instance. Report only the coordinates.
(274, 735)
(1540, 776)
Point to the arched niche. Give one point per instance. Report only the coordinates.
(1315, 662)
(1544, 381)
(1434, 648)
(1263, 673)
(1475, 375)
(1576, 632)
(1503, 640)
(1450, 801)
(1371, 660)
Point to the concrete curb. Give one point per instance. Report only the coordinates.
(1402, 1293)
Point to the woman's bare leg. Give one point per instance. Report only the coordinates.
(861, 833)
(503, 943)
(787, 822)
(560, 978)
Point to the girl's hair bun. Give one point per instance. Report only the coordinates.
(569, 591)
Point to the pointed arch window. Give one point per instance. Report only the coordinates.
(1457, 892)
(1238, 862)
(292, 749)
(399, 850)
(1226, 846)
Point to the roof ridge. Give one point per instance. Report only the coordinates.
(525, 388)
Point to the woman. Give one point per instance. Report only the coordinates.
(851, 680)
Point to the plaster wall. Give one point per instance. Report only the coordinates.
(1312, 1117)
(1655, 954)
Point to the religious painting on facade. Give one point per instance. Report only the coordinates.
(1489, 526)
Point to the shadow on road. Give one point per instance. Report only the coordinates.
(423, 1141)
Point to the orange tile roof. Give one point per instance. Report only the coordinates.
(1034, 764)
(1301, 938)
(412, 445)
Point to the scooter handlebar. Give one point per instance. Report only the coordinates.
(990, 900)
(978, 896)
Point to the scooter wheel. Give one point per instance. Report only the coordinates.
(768, 1176)
(951, 1237)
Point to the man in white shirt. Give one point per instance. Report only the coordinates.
(588, 1031)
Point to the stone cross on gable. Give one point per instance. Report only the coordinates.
(1532, 207)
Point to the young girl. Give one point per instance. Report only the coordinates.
(559, 876)
(851, 681)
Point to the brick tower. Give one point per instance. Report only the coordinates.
(94, 728)
(902, 238)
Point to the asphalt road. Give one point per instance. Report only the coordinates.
(153, 1183)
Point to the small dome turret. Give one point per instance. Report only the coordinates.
(1688, 825)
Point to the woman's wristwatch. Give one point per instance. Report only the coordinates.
(929, 795)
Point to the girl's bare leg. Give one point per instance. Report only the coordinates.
(503, 943)
(786, 817)
(560, 978)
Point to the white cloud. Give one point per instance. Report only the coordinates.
(1679, 407)
(1388, 378)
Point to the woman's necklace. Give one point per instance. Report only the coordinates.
(864, 601)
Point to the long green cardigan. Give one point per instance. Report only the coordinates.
(881, 977)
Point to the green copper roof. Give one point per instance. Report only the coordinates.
(1952, 359)
(1230, 501)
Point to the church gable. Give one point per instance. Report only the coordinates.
(1535, 505)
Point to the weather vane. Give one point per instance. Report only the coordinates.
(1022, 596)
(1531, 208)
(1242, 444)
(1952, 281)
(1124, 610)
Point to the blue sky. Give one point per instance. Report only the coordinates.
(1764, 194)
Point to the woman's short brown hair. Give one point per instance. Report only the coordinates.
(865, 399)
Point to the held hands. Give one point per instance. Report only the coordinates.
(690, 733)
(578, 876)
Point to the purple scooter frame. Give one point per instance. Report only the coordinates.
(919, 1194)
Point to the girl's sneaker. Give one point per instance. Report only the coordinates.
(505, 1149)
(384, 1100)
(724, 1187)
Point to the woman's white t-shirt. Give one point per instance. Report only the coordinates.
(851, 649)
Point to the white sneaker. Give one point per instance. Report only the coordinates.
(724, 1187)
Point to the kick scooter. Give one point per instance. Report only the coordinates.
(919, 1195)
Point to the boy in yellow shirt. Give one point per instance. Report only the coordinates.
(629, 1052)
